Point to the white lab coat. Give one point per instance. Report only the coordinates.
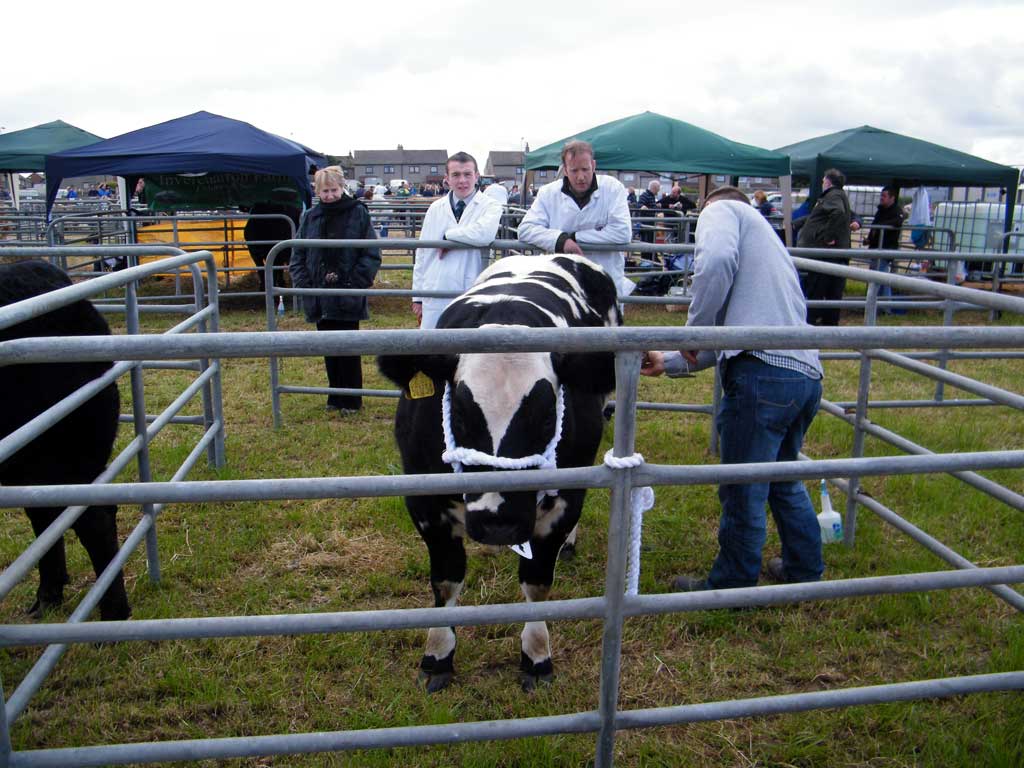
(459, 268)
(604, 219)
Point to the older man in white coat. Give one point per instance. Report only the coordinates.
(462, 216)
(579, 210)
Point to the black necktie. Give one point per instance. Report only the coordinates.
(460, 206)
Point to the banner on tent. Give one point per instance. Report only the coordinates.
(206, 191)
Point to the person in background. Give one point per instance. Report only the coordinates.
(827, 226)
(889, 214)
(631, 196)
(677, 202)
(462, 216)
(647, 204)
(338, 216)
(762, 204)
(72, 193)
(744, 277)
(649, 197)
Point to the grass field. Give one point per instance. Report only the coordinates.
(354, 554)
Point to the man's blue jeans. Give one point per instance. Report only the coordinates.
(764, 415)
(885, 291)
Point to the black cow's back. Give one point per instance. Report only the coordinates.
(77, 448)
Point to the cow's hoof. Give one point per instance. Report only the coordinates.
(41, 607)
(435, 681)
(567, 552)
(437, 674)
(119, 612)
(530, 681)
(530, 673)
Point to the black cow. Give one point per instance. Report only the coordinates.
(505, 405)
(284, 201)
(73, 451)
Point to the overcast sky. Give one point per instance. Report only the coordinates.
(481, 76)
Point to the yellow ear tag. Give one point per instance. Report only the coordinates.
(421, 386)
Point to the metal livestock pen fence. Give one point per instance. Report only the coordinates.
(934, 296)
(102, 224)
(201, 316)
(612, 608)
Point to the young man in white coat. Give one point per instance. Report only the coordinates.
(581, 209)
(462, 216)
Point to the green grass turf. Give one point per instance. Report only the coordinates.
(352, 554)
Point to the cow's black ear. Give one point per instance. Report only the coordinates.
(401, 368)
(586, 371)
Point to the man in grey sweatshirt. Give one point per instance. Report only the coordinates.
(744, 277)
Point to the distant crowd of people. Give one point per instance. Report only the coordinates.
(92, 190)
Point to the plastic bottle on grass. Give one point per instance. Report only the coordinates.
(280, 306)
(829, 521)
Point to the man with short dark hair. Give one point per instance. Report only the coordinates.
(827, 226)
(462, 216)
(581, 209)
(743, 276)
(889, 214)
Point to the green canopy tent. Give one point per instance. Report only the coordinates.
(868, 155)
(652, 142)
(26, 150)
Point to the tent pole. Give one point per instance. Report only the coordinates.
(122, 193)
(786, 186)
(15, 182)
(702, 189)
(1011, 202)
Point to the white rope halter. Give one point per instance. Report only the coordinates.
(641, 500)
(459, 456)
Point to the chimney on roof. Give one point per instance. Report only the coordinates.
(400, 147)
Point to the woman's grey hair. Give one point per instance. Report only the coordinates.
(331, 174)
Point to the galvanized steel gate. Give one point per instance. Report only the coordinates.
(613, 607)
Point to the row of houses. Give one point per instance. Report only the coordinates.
(426, 166)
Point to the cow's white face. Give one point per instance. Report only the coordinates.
(504, 405)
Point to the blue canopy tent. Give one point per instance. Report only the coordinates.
(197, 143)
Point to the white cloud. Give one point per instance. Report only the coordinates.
(481, 76)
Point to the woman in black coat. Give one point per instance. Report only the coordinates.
(338, 216)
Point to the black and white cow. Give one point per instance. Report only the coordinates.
(76, 449)
(506, 411)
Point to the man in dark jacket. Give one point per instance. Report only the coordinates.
(889, 214)
(677, 202)
(827, 226)
(648, 200)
